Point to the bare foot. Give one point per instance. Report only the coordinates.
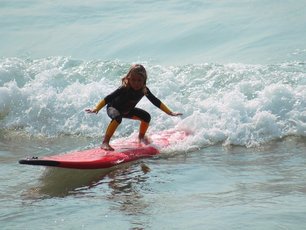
(106, 146)
(144, 140)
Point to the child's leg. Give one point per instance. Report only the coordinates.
(142, 132)
(143, 129)
(109, 133)
(144, 118)
(116, 120)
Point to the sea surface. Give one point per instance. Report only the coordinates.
(235, 69)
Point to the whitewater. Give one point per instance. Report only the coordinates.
(232, 104)
(235, 69)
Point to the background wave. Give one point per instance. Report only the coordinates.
(222, 103)
(190, 32)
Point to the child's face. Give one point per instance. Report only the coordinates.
(136, 81)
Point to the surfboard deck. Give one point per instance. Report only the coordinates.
(125, 151)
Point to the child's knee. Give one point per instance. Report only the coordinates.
(146, 117)
(118, 119)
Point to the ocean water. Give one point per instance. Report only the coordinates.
(235, 69)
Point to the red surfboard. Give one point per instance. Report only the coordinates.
(125, 151)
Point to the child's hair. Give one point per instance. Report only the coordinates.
(137, 69)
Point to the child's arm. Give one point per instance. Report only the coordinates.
(104, 101)
(164, 108)
(159, 104)
(98, 107)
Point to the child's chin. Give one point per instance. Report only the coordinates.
(136, 89)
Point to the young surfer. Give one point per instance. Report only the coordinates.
(121, 104)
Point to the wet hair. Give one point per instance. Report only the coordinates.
(139, 70)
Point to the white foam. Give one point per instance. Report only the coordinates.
(228, 104)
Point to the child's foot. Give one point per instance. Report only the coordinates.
(106, 146)
(144, 140)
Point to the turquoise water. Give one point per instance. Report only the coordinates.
(172, 32)
(235, 69)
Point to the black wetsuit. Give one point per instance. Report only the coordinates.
(121, 103)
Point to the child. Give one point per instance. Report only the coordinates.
(121, 104)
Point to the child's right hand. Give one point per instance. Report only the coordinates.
(91, 111)
(175, 114)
